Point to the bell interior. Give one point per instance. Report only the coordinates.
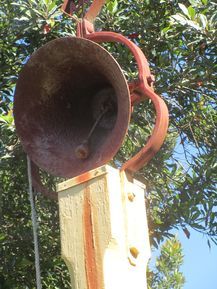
(71, 106)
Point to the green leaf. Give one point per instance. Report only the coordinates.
(180, 19)
(203, 20)
(112, 6)
(204, 2)
(22, 18)
(191, 12)
(197, 226)
(184, 9)
(193, 24)
(195, 2)
(195, 215)
(2, 237)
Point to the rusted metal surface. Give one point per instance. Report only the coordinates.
(55, 106)
(141, 90)
(82, 178)
(94, 10)
(56, 100)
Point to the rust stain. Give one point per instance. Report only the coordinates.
(82, 178)
(93, 272)
(87, 176)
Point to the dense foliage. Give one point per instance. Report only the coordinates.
(168, 265)
(179, 40)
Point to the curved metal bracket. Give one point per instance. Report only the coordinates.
(140, 90)
(94, 10)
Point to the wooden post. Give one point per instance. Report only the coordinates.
(104, 233)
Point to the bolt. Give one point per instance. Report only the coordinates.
(134, 252)
(131, 197)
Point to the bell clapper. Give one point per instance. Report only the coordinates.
(104, 110)
(82, 151)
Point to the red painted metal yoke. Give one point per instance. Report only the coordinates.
(140, 89)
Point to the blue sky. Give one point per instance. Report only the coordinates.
(200, 262)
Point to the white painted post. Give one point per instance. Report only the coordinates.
(104, 232)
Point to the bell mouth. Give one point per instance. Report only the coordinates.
(71, 106)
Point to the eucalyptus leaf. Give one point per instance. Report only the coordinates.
(191, 12)
(203, 20)
(184, 9)
(179, 18)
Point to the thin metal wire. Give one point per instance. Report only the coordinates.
(96, 122)
(34, 227)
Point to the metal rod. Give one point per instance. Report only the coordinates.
(82, 151)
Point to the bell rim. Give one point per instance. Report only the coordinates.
(124, 122)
